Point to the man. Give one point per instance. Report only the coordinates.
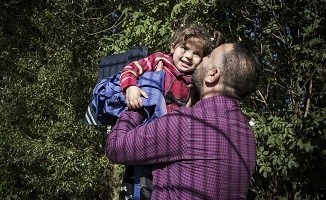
(207, 151)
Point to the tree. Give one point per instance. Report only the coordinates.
(49, 56)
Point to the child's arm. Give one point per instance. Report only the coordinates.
(129, 76)
(131, 73)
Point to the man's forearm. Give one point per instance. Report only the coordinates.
(117, 148)
(130, 143)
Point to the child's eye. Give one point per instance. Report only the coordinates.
(198, 54)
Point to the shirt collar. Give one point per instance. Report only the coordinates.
(218, 101)
(176, 72)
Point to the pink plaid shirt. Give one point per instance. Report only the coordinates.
(204, 152)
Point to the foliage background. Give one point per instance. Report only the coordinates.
(50, 51)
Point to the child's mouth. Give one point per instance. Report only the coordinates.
(186, 63)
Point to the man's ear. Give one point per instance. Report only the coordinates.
(213, 75)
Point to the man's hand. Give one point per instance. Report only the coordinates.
(133, 97)
(192, 99)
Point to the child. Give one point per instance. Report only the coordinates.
(187, 48)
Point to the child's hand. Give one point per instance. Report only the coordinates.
(159, 66)
(133, 97)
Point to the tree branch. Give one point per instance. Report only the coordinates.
(308, 100)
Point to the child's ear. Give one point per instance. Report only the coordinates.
(172, 47)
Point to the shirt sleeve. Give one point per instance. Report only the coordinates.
(131, 73)
(161, 141)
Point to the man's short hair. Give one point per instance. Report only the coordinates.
(242, 69)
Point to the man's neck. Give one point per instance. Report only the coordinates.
(219, 90)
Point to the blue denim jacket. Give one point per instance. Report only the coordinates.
(108, 98)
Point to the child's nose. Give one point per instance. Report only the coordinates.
(189, 54)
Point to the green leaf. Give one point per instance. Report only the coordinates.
(308, 147)
(315, 41)
(176, 9)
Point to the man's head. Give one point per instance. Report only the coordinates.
(232, 69)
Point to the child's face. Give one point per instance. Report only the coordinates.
(187, 56)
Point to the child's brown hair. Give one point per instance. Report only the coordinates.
(193, 31)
